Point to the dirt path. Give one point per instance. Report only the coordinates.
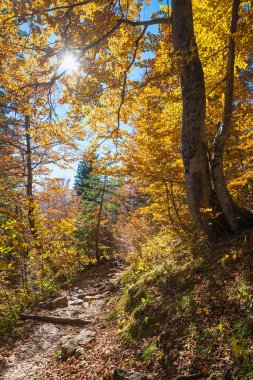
(37, 343)
(32, 353)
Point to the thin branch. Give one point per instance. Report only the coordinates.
(217, 85)
(97, 43)
(68, 7)
(123, 92)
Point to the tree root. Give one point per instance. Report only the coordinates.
(58, 320)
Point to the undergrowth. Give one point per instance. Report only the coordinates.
(18, 300)
(192, 308)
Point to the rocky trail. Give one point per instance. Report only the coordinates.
(92, 351)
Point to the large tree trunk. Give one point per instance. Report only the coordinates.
(197, 173)
(225, 200)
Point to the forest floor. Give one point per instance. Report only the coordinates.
(33, 349)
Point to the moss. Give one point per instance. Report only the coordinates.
(135, 295)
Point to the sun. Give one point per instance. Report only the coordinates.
(69, 63)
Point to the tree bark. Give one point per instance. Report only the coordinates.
(197, 173)
(225, 200)
(58, 320)
(29, 183)
(99, 221)
(29, 187)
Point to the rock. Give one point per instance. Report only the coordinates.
(92, 296)
(58, 303)
(121, 374)
(96, 297)
(79, 352)
(99, 286)
(83, 295)
(69, 348)
(84, 337)
(76, 302)
(113, 281)
(137, 376)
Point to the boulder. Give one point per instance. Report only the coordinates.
(84, 337)
(58, 303)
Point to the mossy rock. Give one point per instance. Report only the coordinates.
(135, 295)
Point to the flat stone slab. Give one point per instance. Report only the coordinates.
(76, 302)
(96, 297)
(92, 296)
(81, 296)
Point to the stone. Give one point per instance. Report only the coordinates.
(137, 376)
(58, 303)
(98, 286)
(69, 348)
(84, 337)
(92, 298)
(76, 302)
(121, 374)
(83, 295)
(79, 352)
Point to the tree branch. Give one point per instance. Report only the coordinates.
(123, 92)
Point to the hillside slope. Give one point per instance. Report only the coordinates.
(193, 311)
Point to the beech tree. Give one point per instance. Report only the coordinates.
(107, 40)
(201, 192)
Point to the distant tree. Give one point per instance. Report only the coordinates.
(98, 210)
(83, 174)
